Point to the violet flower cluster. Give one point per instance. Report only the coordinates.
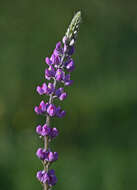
(57, 74)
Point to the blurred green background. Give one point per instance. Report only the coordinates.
(97, 144)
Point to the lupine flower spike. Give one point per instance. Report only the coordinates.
(59, 67)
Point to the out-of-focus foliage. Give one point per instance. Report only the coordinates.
(98, 137)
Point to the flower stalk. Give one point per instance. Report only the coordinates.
(60, 65)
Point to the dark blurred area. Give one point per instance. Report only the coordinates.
(97, 144)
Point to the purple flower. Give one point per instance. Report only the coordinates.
(63, 96)
(42, 90)
(43, 106)
(51, 156)
(45, 89)
(55, 59)
(49, 73)
(59, 112)
(48, 61)
(37, 110)
(47, 177)
(58, 46)
(41, 153)
(42, 176)
(67, 80)
(59, 91)
(52, 180)
(48, 156)
(39, 129)
(45, 130)
(59, 75)
(58, 50)
(51, 110)
(70, 66)
(41, 109)
(39, 175)
(50, 88)
(54, 132)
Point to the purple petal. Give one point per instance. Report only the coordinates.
(48, 61)
(50, 88)
(54, 132)
(58, 45)
(59, 75)
(40, 90)
(68, 83)
(70, 66)
(44, 88)
(40, 154)
(51, 172)
(55, 156)
(42, 106)
(52, 156)
(39, 129)
(39, 175)
(59, 91)
(45, 178)
(51, 110)
(37, 110)
(63, 96)
(52, 178)
(45, 130)
(60, 113)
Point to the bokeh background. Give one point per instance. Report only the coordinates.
(97, 144)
